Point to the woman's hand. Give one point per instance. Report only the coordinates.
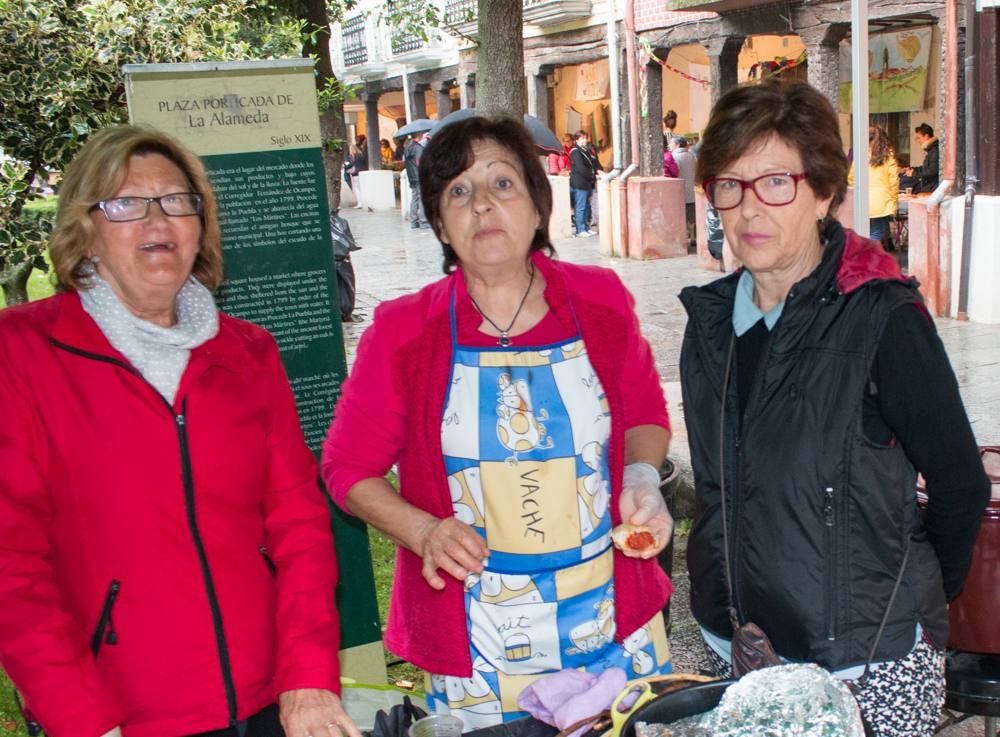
(641, 503)
(452, 546)
(315, 712)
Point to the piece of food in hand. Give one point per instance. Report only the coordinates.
(634, 538)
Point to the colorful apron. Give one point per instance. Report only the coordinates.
(524, 434)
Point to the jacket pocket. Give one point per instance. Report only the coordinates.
(104, 632)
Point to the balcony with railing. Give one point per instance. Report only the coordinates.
(404, 41)
(461, 18)
(354, 45)
(554, 12)
(718, 6)
(406, 47)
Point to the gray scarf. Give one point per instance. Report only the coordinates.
(160, 354)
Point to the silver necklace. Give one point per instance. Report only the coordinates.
(504, 339)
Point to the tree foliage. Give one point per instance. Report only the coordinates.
(62, 78)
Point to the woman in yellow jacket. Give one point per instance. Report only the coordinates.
(883, 182)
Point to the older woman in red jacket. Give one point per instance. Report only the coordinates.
(166, 560)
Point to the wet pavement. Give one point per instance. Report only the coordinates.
(395, 260)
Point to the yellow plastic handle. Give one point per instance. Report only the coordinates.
(619, 713)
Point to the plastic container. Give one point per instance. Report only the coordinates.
(436, 725)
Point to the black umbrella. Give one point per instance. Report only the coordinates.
(414, 127)
(453, 117)
(545, 140)
(543, 137)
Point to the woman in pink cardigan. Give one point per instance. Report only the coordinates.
(525, 414)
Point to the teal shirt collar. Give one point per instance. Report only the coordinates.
(746, 313)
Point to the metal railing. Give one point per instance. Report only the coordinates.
(353, 44)
(458, 12)
(404, 41)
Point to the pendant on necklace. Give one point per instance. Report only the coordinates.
(504, 340)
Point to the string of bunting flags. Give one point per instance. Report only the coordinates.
(776, 66)
(675, 70)
(760, 69)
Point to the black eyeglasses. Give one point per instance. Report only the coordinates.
(125, 209)
(725, 193)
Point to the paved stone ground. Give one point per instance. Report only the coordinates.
(396, 260)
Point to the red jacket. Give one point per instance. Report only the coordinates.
(139, 528)
(397, 391)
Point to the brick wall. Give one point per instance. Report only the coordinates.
(651, 14)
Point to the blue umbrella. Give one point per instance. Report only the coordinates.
(545, 140)
(414, 127)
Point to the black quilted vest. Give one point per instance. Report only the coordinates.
(818, 515)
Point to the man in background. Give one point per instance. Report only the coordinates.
(686, 163)
(411, 162)
(926, 174)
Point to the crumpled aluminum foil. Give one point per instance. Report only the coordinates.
(801, 700)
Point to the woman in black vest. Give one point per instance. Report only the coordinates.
(815, 388)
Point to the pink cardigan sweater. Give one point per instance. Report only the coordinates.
(391, 408)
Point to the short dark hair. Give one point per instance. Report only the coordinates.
(681, 141)
(924, 129)
(449, 153)
(794, 112)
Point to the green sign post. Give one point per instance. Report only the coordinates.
(256, 127)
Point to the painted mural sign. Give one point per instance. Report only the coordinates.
(897, 71)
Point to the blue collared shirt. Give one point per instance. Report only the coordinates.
(746, 313)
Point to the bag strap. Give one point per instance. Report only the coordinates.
(727, 375)
(885, 615)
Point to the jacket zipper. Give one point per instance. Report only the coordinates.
(737, 485)
(213, 599)
(267, 560)
(829, 517)
(105, 630)
(188, 480)
(737, 527)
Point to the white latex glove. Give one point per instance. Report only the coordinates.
(642, 504)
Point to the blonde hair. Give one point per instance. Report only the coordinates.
(97, 173)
